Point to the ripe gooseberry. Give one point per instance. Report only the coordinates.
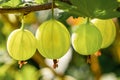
(53, 39)
(107, 29)
(21, 44)
(86, 39)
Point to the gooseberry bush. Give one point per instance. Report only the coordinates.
(86, 26)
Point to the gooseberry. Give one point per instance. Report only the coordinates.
(21, 44)
(53, 39)
(86, 39)
(107, 29)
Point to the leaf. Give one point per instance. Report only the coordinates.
(63, 5)
(102, 9)
(41, 1)
(11, 3)
(1, 1)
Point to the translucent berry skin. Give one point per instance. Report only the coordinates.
(53, 39)
(107, 29)
(86, 39)
(21, 44)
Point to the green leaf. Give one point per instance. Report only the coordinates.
(41, 1)
(3, 1)
(63, 5)
(11, 3)
(102, 9)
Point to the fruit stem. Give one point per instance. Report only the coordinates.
(55, 63)
(21, 63)
(88, 20)
(22, 23)
(52, 9)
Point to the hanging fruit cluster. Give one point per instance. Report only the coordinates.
(53, 39)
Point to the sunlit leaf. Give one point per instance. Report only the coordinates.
(11, 3)
(40, 1)
(3, 1)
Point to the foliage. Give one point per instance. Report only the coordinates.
(11, 3)
(20, 3)
(41, 1)
(92, 8)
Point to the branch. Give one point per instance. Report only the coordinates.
(33, 8)
(27, 9)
